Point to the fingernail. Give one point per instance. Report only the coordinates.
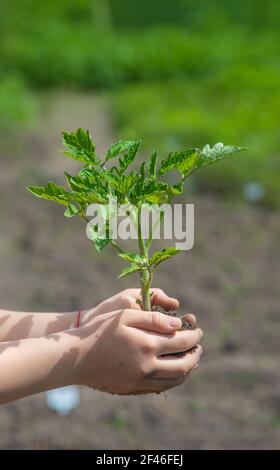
(175, 322)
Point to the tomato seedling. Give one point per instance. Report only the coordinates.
(102, 180)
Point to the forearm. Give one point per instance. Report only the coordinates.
(20, 325)
(34, 365)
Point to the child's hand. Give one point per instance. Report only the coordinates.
(128, 298)
(125, 352)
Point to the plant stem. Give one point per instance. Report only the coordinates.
(145, 274)
(146, 279)
(115, 245)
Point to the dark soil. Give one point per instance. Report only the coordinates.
(230, 281)
(185, 324)
(173, 313)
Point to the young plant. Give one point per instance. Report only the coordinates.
(111, 178)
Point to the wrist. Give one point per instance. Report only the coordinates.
(83, 317)
(81, 345)
(71, 346)
(74, 319)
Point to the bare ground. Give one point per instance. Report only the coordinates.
(230, 280)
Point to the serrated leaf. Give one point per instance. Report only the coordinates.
(152, 191)
(219, 151)
(157, 198)
(143, 187)
(51, 192)
(119, 148)
(129, 156)
(129, 256)
(101, 243)
(80, 146)
(166, 193)
(160, 256)
(130, 270)
(72, 210)
(126, 183)
(97, 179)
(191, 160)
(209, 155)
(187, 166)
(142, 171)
(132, 257)
(77, 183)
(176, 160)
(177, 188)
(88, 197)
(121, 185)
(153, 163)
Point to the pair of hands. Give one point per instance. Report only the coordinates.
(126, 350)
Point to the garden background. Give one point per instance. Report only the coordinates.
(174, 74)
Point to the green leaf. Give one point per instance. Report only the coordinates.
(121, 185)
(187, 166)
(209, 155)
(153, 163)
(132, 257)
(176, 160)
(80, 146)
(131, 269)
(142, 171)
(97, 179)
(191, 160)
(119, 148)
(135, 259)
(51, 192)
(77, 183)
(126, 183)
(175, 190)
(163, 193)
(89, 186)
(72, 210)
(160, 256)
(96, 184)
(146, 189)
(152, 190)
(129, 156)
(88, 197)
(101, 243)
(157, 198)
(220, 150)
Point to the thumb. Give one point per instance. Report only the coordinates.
(159, 297)
(152, 321)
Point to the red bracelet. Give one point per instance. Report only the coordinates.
(78, 319)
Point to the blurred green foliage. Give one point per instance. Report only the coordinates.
(254, 15)
(239, 104)
(183, 72)
(79, 44)
(17, 106)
